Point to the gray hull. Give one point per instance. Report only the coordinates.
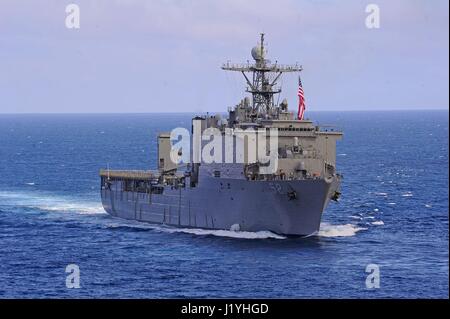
(226, 203)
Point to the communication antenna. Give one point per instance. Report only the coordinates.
(262, 77)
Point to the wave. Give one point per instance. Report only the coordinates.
(50, 203)
(229, 233)
(347, 230)
(75, 207)
(407, 194)
(136, 225)
(326, 230)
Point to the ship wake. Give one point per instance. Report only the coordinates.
(228, 233)
(49, 203)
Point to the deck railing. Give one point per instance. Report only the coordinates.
(129, 174)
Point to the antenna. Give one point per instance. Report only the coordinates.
(260, 83)
(262, 47)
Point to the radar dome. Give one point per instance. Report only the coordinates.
(256, 53)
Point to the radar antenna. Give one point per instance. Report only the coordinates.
(262, 77)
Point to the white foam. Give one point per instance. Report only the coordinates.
(381, 194)
(227, 233)
(428, 206)
(11, 195)
(347, 230)
(81, 208)
(197, 231)
(52, 203)
(407, 194)
(378, 223)
(30, 184)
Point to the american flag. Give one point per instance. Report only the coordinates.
(301, 100)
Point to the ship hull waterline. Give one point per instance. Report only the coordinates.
(285, 207)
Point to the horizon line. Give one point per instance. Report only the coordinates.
(203, 112)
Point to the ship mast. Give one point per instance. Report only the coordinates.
(262, 77)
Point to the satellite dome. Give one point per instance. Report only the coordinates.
(256, 53)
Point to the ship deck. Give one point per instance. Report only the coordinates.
(142, 175)
(129, 174)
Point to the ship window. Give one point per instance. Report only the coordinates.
(216, 173)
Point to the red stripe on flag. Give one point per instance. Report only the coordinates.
(301, 100)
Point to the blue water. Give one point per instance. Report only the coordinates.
(393, 213)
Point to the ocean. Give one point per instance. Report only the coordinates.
(393, 213)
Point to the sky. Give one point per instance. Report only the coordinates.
(165, 55)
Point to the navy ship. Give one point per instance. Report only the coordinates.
(287, 199)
